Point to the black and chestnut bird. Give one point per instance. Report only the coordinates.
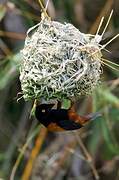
(62, 119)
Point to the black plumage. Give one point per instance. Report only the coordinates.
(46, 115)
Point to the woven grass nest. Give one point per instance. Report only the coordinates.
(58, 61)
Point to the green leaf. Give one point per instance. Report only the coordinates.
(2, 11)
(9, 70)
(109, 135)
(108, 97)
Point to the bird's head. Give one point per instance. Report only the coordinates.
(43, 109)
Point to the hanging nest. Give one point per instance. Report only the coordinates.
(58, 61)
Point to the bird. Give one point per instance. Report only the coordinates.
(61, 119)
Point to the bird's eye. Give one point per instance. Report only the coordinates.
(43, 110)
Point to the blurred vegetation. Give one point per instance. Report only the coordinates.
(85, 154)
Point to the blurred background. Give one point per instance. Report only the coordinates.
(28, 151)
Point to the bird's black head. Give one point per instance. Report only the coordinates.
(42, 110)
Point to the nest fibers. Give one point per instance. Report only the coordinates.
(58, 61)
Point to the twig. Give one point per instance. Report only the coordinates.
(103, 12)
(12, 35)
(114, 84)
(77, 154)
(88, 156)
(15, 140)
(43, 8)
(22, 153)
(4, 48)
(64, 156)
(38, 144)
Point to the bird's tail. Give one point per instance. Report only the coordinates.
(92, 116)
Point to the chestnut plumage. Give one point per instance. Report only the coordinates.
(61, 119)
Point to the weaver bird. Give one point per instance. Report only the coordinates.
(62, 119)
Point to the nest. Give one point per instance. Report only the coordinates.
(58, 61)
